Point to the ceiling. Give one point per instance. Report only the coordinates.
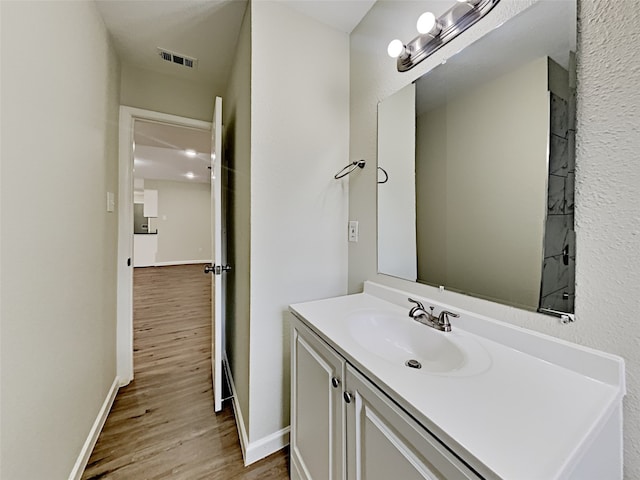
(343, 15)
(208, 31)
(160, 152)
(204, 29)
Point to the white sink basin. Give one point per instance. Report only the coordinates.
(399, 340)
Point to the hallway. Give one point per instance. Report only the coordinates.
(162, 425)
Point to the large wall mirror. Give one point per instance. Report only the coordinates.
(476, 177)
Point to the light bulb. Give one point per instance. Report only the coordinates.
(395, 48)
(427, 23)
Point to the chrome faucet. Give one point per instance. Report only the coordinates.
(441, 322)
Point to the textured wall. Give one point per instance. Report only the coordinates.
(607, 176)
(608, 196)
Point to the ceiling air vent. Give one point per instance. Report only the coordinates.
(177, 58)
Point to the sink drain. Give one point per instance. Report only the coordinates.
(413, 364)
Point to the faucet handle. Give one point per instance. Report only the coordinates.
(418, 310)
(443, 318)
(418, 304)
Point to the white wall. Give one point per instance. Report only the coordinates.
(299, 140)
(159, 92)
(608, 197)
(607, 176)
(183, 222)
(397, 196)
(60, 82)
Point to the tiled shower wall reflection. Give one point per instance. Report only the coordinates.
(558, 273)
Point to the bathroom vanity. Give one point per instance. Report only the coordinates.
(488, 401)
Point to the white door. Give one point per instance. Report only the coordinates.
(217, 284)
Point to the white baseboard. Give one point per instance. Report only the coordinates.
(242, 433)
(94, 433)
(180, 262)
(254, 451)
(266, 446)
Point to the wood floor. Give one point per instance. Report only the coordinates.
(162, 425)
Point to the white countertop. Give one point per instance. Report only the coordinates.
(518, 416)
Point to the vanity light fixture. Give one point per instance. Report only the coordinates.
(396, 48)
(436, 32)
(428, 24)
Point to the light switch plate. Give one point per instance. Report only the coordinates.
(353, 231)
(111, 202)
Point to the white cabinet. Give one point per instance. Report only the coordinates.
(145, 249)
(384, 443)
(150, 203)
(344, 427)
(317, 408)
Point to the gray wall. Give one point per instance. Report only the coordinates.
(490, 216)
(60, 91)
(164, 93)
(236, 112)
(183, 222)
(607, 178)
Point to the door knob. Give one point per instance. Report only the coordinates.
(216, 269)
(335, 382)
(347, 397)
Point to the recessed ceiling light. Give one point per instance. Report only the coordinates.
(190, 175)
(190, 153)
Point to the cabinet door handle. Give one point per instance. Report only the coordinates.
(347, 397)
(335, 382)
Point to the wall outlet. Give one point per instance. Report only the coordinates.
(353, 231)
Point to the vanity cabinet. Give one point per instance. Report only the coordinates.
(317, 408)
(344, 427)
(383, 442)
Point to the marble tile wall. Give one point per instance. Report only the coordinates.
(558, 271)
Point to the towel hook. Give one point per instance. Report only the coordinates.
(350, 168)
(386, 175)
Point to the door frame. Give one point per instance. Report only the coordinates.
(124, 322)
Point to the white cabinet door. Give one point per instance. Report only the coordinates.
(150, 203)
(317, 413)
(384, 443)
